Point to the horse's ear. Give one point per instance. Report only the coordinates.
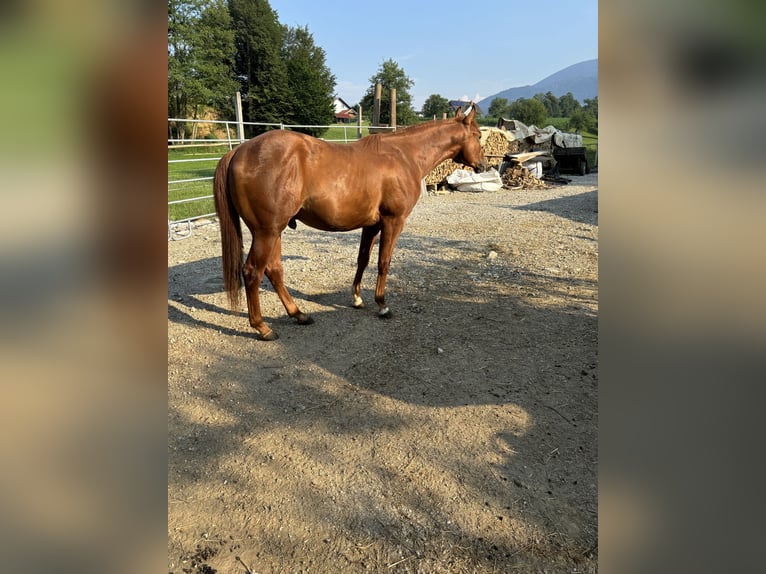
(459, 113)
(471, 113)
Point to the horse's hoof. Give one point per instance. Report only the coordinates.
(304, 319)
(358, 303)
(270, 336)
(385, 313)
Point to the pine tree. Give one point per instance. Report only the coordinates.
(261, 71)
(310, 81)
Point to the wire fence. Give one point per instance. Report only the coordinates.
(192, 161)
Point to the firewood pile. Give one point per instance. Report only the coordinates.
(438, 174)
(518, 177)
(495, 145)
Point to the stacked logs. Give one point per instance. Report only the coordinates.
(496, 145)
(441, 171)
(518, 177)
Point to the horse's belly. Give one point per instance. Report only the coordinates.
(336, 221)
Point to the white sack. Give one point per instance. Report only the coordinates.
(464, 180)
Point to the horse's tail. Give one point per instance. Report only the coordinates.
(231, 231)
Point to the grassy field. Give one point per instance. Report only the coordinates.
(191, 170)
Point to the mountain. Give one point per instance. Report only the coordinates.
(580, 79)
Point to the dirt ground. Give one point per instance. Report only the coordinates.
(458, 436)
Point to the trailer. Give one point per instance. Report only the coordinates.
(571, 159)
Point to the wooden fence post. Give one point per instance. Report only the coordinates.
(376, 105)
(240, 121)
(393, 108)
(359, 124)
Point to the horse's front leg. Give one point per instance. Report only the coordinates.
(391, 229)
(365, 247)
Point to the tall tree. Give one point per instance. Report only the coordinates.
(551, 103)
(200, 56)
(568, 105)
(435, 106)
(309, 79)
(259, 66)
(390, 75)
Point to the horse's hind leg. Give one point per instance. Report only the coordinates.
(275, 273)
(255, 265)
(365, 247)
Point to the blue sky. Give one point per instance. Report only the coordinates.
(449, 48)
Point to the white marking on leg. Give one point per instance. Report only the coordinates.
(358, 301)
(383, 311)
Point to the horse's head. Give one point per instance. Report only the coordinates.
(470, 152)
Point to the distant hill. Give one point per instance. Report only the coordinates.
(580, 79)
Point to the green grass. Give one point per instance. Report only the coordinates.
(192, 170)
(590, 141)
(343, 132)
(558, 123)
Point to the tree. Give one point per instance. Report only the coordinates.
(591, 106)
(551, 103)
(309, 79)
(529, 111)
(261, 70)
(582, 120)
(435, 106)
(568, 105)
(390, 75)
(200, 56)
(498, 108)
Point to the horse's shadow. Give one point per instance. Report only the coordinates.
(203, 278)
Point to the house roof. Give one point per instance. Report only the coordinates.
(339, 100)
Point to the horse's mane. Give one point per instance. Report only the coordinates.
(374, 141)
(421, 127)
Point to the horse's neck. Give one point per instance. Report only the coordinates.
(436, 144)
(429, 145)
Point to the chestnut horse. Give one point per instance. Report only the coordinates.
(281, 176)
